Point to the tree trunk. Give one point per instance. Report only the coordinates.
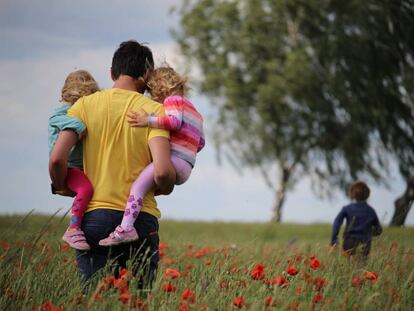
(403, 204)
(281, 193)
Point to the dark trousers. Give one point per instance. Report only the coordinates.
(351, 246)
(144, 256)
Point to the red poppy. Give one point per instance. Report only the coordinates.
(125, 297)
(357, 282)
(280, 280)
(4, 245)
(183, 307)
(299, 291)
(291, 270)
(319, 282)
(269, 301)
(188, 295)
(372, 276)
(258, 272)
(238, 302)
(315, 263)
(121, 284)
(174, 274)
(123, 273)
(317, 298)
(162, 246)
(169, 288)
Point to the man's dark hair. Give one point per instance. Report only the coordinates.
(131, 59)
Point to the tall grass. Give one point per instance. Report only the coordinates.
(212, 265)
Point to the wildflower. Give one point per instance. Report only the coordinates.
(357, 282)
(125, 297)
(188, 295)
(258, 272)
(224, 285)
(4, 245)
(291, 270)
(162, 246)
(238, 302)
(65, 246)
(207, 262)
(315, 263)
(183, 306)
(269, 301)
(299, 291)
(174, 274)
(294, 305)
(123, 273)
(121, 284)
(169, 288)
(317, 298)
(372, 276)
(280, 280)
(319, 282)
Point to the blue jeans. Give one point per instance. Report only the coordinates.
(144, 256)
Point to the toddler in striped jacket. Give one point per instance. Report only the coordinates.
(185, 124)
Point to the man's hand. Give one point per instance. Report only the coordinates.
(138, 119)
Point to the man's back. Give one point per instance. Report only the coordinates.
(114, 152)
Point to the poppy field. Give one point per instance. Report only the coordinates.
(211, 266)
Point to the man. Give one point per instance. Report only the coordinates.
(114, 155)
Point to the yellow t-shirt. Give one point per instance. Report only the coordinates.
(114, 154)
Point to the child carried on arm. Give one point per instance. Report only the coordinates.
(186, 138)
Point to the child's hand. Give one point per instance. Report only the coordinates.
(138, 119)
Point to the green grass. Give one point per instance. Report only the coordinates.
(35, 269)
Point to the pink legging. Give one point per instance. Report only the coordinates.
(144, 183)
(79, 183)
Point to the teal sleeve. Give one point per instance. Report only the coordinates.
(64, 122)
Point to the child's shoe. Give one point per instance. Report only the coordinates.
(76, 239)
(120, 236)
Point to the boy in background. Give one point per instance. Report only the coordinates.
(361, 221)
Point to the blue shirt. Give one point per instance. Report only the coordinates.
(58, 122)
(361, 222)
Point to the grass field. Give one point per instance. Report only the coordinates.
(211, 266)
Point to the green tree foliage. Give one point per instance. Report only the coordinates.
(319, 88)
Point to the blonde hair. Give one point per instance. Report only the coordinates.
(165, 81)
(77, 84)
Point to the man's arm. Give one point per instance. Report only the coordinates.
(164, 172)
(58, 162)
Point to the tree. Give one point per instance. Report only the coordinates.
(317, 88)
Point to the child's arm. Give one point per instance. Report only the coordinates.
(201, 143)
(65, 122)
(174, 110)
(337, 225)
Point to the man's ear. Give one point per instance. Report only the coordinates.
(141, 85)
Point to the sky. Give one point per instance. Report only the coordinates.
(42, 41)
